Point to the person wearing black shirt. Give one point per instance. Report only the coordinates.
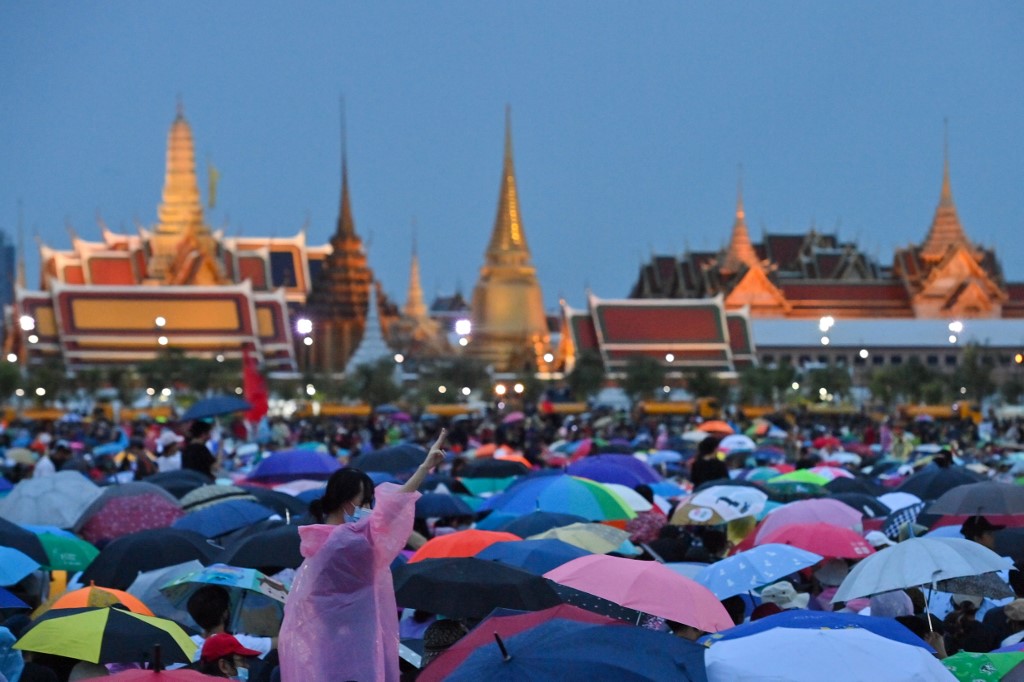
(196, 455)
(706, 465)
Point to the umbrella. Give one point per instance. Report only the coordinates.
(799, 476)
(803, 619)
(918, 561)
(439, 505)
(15, 565)
(646, 586)
(66, 552)
(223, 518)
(14, 536)
(179, 675)
(283, 504)
(841, 655)
(536, 556)
(716, 426)
(664, 457)
(896, 519)
(181, 588)
(273, 548)
(754, 568)
(931, 484)
(124, 515)
(820, 538)
(822, 511)
(538, 522)
(579, 651)
(120, 561)
(981, 499)
(469, 587)
(33, 500)
(977, 667)
(830, 473)
(98, 597)
(146, 587)
(635, 500)
(9, 601)
(291, 465)
(898, 501)
(493, 468)
(565, 494)
(129, 489)
(215, 407)
(720, 504)
(513, 417)
(506, 624)
(463, 543)
(402, 458)
(593, 537)
(107, 635)
(180, 482)
(857, 484)
(867, 505)
(983, 585)
(208, 495)
(628, 471)
(737, 442)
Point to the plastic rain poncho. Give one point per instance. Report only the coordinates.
(340, 620)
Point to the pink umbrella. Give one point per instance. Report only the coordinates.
(645, 586)
(125, 515)
(513, 417)
(823, 510)
(831, 473)
(821, 538)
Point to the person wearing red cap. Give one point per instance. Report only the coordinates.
(224, 656)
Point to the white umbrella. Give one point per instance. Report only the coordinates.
(896, 501)
(632, 498)
(695, 436)
(737, 442)
(812, 655)
(55, 500)
(147, 584)
(918, 561)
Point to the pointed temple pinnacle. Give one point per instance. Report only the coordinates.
(739, 194)
(946, 198)
(346, 225)
(740, 251)
(180, 107)
(507, 235)
(945, 229)
(181, 205)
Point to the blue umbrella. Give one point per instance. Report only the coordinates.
(15, 565)
(214, 407)
(754, 568)
(536, 556)
(667, 489)
(496, 520)
(537, 522)
(821, 620)
(573, 650)
(664, 457)
(405, 457)
(308, 496)
(221, 519)
(9, 601)
(439, 505)
(291, 465)
(623, 469)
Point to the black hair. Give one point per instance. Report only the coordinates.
(645, 492)
(342, 487)
(199, 428)
(708, 445)
(207, 606)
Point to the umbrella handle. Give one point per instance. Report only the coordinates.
(157, 663)
(501, 645)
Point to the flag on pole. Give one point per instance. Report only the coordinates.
(213, 177)
(255, 388)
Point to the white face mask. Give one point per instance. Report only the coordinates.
(242, 674)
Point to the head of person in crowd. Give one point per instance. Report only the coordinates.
(224, 656)
(645, 492)
(891, 604)
(785, 596)
(60, 453)
(210, 608)
(84, 670)
(684, 631)
(348, 497)
(169, 443)
(1015, 615)
(439, 636)
(980, 530)
(199, 431)
(736, 608)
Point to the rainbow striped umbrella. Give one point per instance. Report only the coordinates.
(565, 495)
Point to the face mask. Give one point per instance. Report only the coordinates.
(241, 674)
(358, 514)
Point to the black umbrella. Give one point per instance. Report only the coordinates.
(284, 504)
(931, 484)
(436, 505)
(275, 547)
(214, 407)
(470, 587)
(988, 498)
(858, 484)
(1010, 542)
(122, 560)
(393, 460)
(865, 504)
(26, 542)
(181, 482)
(493, 468)
(453, 484)
(537, 522)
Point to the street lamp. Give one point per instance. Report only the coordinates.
(466, 390)
(500, 389)
(442, 389)
(549, 358)
(32, 338)
(399, 358)
(669, 357)
(826, 323)
(160, 321)
(11, 357)
(27, 322)
(518, 388)
(863, 353)
(304, 325)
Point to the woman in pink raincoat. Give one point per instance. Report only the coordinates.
(340, 620)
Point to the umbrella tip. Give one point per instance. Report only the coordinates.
(501, 645)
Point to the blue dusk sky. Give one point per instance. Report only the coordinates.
(630, 120)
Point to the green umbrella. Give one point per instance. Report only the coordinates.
(482, 486)
(799, 476)
(974, 667)
(107, 636)
(67, 553)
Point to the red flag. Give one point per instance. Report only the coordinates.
(255, 387)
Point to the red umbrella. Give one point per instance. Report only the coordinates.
(825, 442)
(821, 538)
(125, 515)
(505, 626)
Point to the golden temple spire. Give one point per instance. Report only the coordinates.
(945, 229)
(415, 307)
(346, 224)
(508, 235)
(181, 205)
(740, 251)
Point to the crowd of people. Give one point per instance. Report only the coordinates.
(341, 619)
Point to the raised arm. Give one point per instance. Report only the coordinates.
(434, 457)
